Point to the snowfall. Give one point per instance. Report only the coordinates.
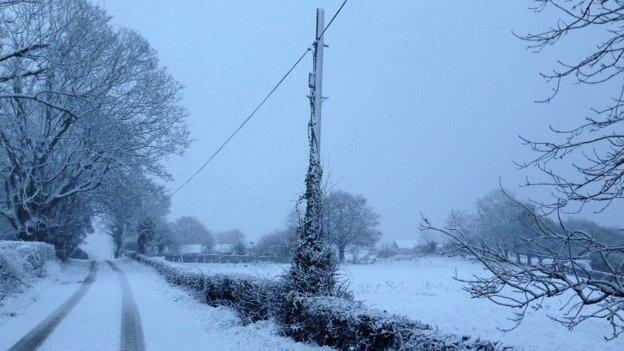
(423, 289)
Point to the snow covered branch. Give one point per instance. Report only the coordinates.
(79, 101)
(571, 263)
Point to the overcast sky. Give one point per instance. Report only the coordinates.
(426, 102)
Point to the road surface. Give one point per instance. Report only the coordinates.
(124, 305)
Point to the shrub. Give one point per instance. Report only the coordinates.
(217, 258)
(451, 249)
(21, 261)
(388, 250)
(427, 249)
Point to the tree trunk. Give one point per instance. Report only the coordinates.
(341, 253)
(118, 234)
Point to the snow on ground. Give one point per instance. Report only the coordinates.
(173, 320)
(19, 313)
(94, 321)
(425, 290)
(99, 245)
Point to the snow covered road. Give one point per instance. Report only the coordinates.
(127, 306)
(37, 336)
(131, 329)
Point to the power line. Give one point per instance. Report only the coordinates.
(259, 105)
(244, 122)
(332, 19)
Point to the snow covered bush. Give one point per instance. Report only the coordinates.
(21, 262)
(387, 250)
(252, 297)
(348, 325)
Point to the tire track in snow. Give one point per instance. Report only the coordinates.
(40, 333)
(131, 329)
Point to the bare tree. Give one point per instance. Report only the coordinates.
(230, 237)
(349, 222)
(280, 244)
(565, 253)
(189, 230)
(598, 139)
(564, 270)
(118, 200)
(503, 222)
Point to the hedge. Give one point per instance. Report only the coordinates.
(252, 297)
(329, 321)
(348, 325)
(21, 262)
(217, 258)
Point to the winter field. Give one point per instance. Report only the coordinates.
(424, 290)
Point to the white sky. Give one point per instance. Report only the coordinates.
(427, 99)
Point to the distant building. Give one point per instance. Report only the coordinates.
(191, 249)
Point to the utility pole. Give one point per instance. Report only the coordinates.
(314, 269)
(316, 86)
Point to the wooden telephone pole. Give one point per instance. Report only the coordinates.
(316, 88)
(314, 268)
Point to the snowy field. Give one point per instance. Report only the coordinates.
(426, 291)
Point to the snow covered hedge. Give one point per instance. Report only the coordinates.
(348, 325)
(21, 262)
(337, 322)
(252, 297)
(218, 258)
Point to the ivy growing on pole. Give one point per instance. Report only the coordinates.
(314, 267)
